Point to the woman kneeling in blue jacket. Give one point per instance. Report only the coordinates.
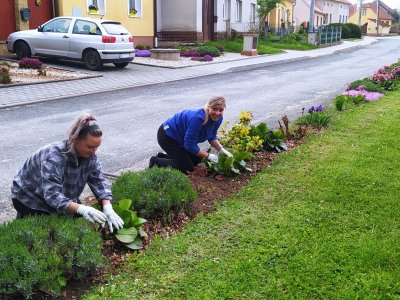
(179, 135)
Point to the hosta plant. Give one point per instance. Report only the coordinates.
(272, 140)
(132, 233)
(230, 166)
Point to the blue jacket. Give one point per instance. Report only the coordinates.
(185, 127)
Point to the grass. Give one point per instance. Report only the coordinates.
(268, 46)
(321, 223)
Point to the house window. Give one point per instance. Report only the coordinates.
(135, 8)
(364, 12)
(99, 5)
(238, 15)
(225, 10)
(252, 13)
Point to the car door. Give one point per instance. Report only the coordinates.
(53, 38)
(85, 34)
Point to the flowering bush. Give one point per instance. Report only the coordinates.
(316, 117)
(385, 77)
(205, 58)
(369, 85)
(142, 53)
(396, 72)
(189, 53)
(239, 137)
(369, 96)
(29, 63)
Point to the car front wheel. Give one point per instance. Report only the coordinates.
(92, 60)
(121, 65)
(22, 50)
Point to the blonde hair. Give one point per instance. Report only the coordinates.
(82, 126)
(213, 102)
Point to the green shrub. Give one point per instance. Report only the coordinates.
(140, 47)
(369, 84)
(343, 101)
(41, 253)
(346, 32)
(355, 31)
(230, 166)
(208, 50)
(156, 192)
(5, 74)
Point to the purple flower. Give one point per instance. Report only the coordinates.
(142, 53)
(189, 53)
(311, 109)
(30, 63)
(361, 87)
(319, 108)
(208, 58)
(369, 96)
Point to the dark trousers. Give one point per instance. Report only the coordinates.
(23, 210)
(177, 156)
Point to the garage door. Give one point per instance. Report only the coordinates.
(7, 18)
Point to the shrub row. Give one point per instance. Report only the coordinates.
(349, 30)
(41, 253)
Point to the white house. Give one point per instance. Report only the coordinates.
(201, 20)
(336, 11)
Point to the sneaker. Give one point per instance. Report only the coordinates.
(152, 162)
(162, 155)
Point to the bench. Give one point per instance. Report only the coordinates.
(165, 54)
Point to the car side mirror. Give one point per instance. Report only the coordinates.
(40, 28)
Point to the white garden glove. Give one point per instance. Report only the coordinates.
(112, 217)
(92, 214)
(225, 152)
(213, 157)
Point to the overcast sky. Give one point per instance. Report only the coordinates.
(391, 3)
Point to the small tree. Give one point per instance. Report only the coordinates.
(264, 7)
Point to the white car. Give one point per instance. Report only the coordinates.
(93, 41)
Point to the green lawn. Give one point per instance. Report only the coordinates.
(321, 223)
(267, 46)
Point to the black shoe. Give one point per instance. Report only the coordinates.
(162, 155)
(152, 162)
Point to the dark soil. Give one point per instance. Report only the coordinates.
(210, 190)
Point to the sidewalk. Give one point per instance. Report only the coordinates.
(138, 75)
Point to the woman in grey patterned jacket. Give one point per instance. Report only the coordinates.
(52, 179)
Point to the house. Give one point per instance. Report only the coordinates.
(281, 17)
(336, 11)
(387, 24)
(202, 20)
(301, 14)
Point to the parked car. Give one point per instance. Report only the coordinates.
(93, 41)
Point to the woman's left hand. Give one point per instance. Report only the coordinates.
(225, 152)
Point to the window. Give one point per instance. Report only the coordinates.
(135, 8)
(238, 15)
(252, 13)
(59, 25)
(225, 10)
(86, 27)
(364, 12)
(99, 5)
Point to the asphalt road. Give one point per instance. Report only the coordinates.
(130, 118)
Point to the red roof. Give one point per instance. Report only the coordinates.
(383, 14)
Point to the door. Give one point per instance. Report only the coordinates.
(208, 20)
(53, 39)
(41, 12)
(7, 19)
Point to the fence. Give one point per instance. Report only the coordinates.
(329, 35)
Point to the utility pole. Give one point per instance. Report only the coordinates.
(311, 22)
(359, 13)
(377, 17)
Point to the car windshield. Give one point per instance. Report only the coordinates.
(115, 28)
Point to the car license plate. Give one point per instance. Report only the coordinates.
(124, 55)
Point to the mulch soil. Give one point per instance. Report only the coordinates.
(210, 190)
